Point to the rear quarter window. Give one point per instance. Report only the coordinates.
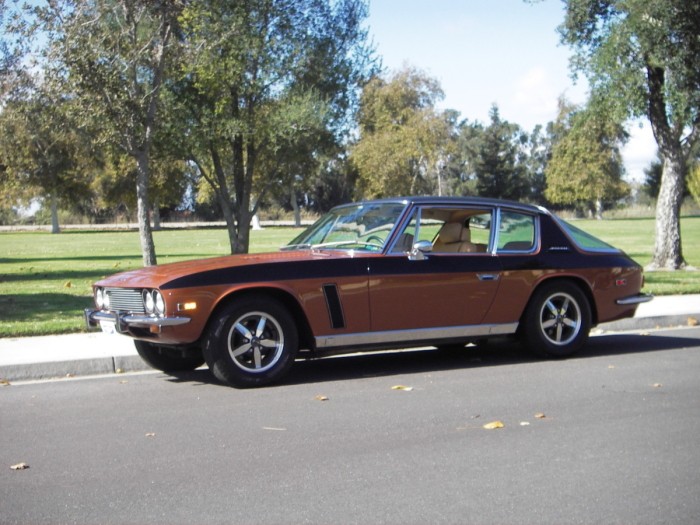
(516, 232)
(585, 240)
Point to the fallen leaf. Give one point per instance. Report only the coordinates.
(119, 371)
(150, 434)
(494, 425)
(540, 415)
(657, 385)
(402, 387)
(692, 321)
(19, 466)
(4, 382)
(68, 284)
(321, 398)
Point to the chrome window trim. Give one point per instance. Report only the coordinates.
(536, 241)
(418, 209)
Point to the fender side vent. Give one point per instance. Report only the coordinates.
(335, 309)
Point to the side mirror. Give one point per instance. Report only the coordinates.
(419, 250)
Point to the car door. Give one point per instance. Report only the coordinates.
(438, 289)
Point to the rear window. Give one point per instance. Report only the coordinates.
(585, 240)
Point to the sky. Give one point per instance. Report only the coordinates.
(485, 52)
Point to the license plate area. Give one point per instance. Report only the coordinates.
(108, 327)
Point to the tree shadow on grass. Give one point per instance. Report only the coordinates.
(41, 306)
(106, 258)
(74, 276)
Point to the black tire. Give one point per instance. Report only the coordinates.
(169, 359)
(557, 320)
(252, 342)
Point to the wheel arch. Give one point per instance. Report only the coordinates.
(579, 282)
(306, 339)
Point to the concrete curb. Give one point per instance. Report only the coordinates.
(125, 358)
(73, 368)
(650, 323)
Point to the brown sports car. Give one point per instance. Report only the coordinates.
(376, 275)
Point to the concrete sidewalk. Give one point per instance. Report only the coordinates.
(97, 353)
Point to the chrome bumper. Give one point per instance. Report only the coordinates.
(122, 321)
(635, 299)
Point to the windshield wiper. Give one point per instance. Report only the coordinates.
(290, 247)
(336, 244)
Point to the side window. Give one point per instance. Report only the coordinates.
(516, 232)
(407, 237)
(480, 229)
(457, 230)
(450, 230)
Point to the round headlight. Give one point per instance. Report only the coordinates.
(159, 302)
(99, 298)
(148, 303)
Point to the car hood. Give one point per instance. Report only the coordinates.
(160, 275)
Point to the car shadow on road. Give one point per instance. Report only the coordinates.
(429, 359)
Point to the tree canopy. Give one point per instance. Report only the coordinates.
(586, 166)
(403, 137)
(267, 85)
(642, 58)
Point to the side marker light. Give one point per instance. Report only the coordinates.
(185, 307)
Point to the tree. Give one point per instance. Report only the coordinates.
(112, 56)
(403, 138)
(586, 166)
(642, 57)
(539, 146)
(43, 154)
(694, 183)
(498, 159)
(261, 79)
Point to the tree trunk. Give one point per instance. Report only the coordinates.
(148, 249)
(668, 253)
(599, 209)
(55, 228)
(227, 212)
(156, 216)
(295, 206)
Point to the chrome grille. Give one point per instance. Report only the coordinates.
(125, 299)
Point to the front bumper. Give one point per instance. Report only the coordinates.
(125, 322)
(635, 299)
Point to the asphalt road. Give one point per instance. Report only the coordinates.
(618, 442)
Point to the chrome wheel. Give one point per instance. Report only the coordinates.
(255, 342)
(251, 342)
(560, 319)
(557, 320)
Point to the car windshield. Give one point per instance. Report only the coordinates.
(352, 227)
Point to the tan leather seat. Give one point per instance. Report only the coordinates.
(453, 237)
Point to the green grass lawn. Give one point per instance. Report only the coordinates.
(45, 279)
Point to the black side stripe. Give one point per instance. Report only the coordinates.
(335, 309)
